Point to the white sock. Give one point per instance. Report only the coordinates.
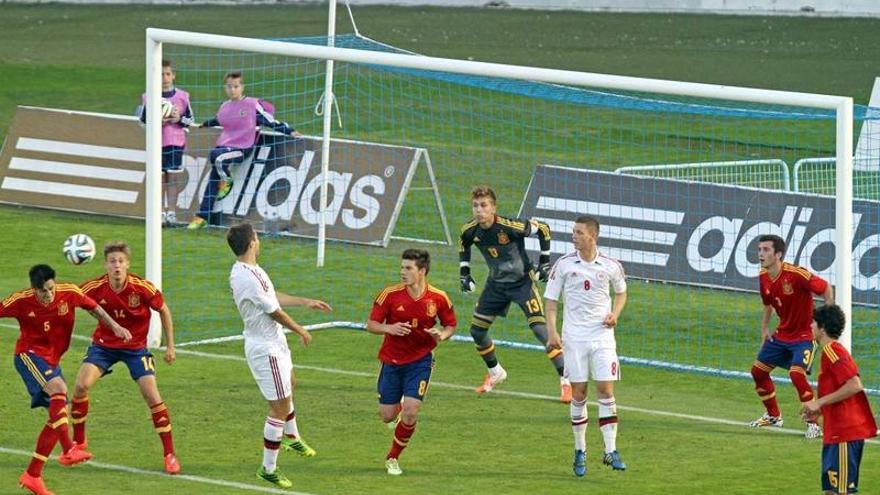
(272, 431)
(608, 423)
(496, 370)
(290, 428)
(579, 424)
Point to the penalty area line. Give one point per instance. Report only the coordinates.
(180, 477)
(511, 393)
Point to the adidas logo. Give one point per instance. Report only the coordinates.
(399, 308)
(32, 315)
(102, 301)
(162, 421)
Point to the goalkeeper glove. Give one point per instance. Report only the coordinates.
(544, 268)
(467, 283)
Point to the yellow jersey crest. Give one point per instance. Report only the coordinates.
(787, 289)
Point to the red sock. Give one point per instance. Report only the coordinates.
(162, 422)
(765, 388)
(78, 412)
(58, 420)
(798, 377)
(45, 444)
(402, 434)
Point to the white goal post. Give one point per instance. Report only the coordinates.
(843, 106)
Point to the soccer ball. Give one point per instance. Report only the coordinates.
(79, 249)
(167, 109)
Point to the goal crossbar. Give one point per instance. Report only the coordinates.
(843, 107)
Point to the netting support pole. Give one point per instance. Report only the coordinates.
(844, 237)
(325, 140)
(153, 194)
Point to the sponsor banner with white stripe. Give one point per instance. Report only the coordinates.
(698, 233)
(95, 163)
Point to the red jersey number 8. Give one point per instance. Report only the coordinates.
(587, 284)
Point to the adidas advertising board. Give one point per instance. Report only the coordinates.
(96, 163)
(701, 234)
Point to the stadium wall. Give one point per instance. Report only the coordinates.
(835, 8)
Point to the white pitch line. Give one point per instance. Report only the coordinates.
(181, 477)
(510, 393)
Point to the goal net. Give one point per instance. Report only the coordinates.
(411, 135)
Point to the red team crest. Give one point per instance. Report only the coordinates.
(431, 308)
(134, 300)
(502, 238)
(63, 309)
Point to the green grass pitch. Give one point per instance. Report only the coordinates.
(679, 432)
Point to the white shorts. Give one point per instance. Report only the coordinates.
(271, 367)
(592, 360)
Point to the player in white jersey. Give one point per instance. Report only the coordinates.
(585, 279)
(265, 345)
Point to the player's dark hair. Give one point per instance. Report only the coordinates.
(483, 192)
(589, 221)
(831, 319)
(167, 63)
(239, 237)
(421, 258)
(40, 274)
(778, 242)
(236, 74)
(117, 247)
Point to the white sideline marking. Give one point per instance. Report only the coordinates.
(181, 477)
(511, 393)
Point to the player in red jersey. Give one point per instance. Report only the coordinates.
(130, 299)
(406, 314)
(45, 315)
(843, 404)
(787, 289)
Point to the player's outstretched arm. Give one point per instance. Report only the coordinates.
(287, 322)
(168, 329)
(397, 329)
(288, 300)
(99, 314)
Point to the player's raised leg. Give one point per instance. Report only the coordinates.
(529, 300)
(32, 478)
(486, 348)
